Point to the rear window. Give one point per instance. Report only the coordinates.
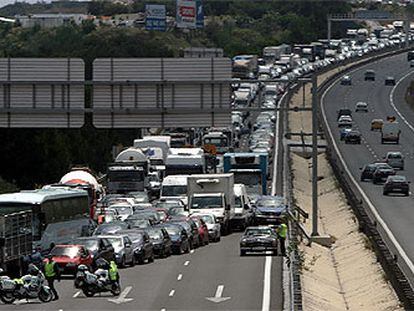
(394, 156)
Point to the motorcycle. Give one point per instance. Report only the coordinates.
(97, 282)
(27, 287)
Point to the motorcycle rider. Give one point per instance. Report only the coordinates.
(52, 272)
(103, 271)
(113, 273)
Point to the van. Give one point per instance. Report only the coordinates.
(243, 212)
(390, 132)
(175, 187)
(395, 159)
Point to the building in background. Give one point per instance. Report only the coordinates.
(51, 20)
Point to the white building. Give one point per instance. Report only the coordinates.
(50, 20)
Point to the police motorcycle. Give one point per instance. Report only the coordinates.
(92, 283)
(29, 286)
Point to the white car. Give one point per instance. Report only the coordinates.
(345, 121)
(361, 106)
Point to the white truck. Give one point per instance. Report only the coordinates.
(161, 142)
(185, 161)
(390, 132)
(174, 187)
(212, 194)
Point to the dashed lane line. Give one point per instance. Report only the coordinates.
(186, 263)
(179, 277)
(172, 292)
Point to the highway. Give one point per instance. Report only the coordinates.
(395, 211)
(212, 277)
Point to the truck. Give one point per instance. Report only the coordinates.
(245, 66)
(390, 132)
(129, 171)
(174, 187)
(15, 238)
(273, 53)
(160, 142)
(307, 51)
(212, 194)
(221, 141)
(185, 161)
(249, 168)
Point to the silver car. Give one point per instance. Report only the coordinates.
(213, 227)
(124, 252)
(395, 159)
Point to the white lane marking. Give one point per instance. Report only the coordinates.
(163, 309)
(371, 206)
(76, 294)
(172, 292)
(218, 295)
(179, 277)
(192, 251)
(267, 284)
(392, 101)
(122, 297)
(187, 263)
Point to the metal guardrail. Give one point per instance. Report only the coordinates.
(368, 223)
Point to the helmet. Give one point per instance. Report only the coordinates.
(102, 263)
(32, 269)
(83, 268)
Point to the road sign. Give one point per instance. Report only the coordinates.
(372, 15)
(161, 92)
(200, 14)
(42, 92)
(155, 17)
(186, 14)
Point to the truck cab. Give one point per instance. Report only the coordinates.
(174, 187)
(219, 140)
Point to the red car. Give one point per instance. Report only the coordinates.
(69, 257)
(202, 229)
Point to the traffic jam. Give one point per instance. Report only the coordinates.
(165, 195)
(171, 192)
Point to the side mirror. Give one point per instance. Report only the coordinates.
(246, 206)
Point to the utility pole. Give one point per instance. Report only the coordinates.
(329, 28)
(314, 156)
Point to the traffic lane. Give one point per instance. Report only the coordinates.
(146, 282)
(241, 278)
(396, 211)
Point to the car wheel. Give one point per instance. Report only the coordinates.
(141, 260)
(242, 253)
(385, 193)
(218, 238)
(151, 258)
(133, 261)
(123, 262)
(187, 250)
(407, 194)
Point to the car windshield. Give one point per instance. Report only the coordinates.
(138, 223)
(237, 202)
(177, 211)
(173, 191)
(206, 202)
(70, 252)
(172, 230)
(122, 210)
(136, 237)
(91, 244)
(116, 243)
(394, 156)
(258, 231)
(208, 219)
(155, 234)
(248, 178)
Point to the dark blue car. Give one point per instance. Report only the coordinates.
(270, 210)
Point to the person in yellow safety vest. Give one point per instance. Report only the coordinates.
(113, 272)
(282, 233)
(52, 273)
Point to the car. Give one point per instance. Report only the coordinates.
(122, 210)
(179, 238)
(377, 124)
(110, 228)
(259, 239)
(395, 159)
(389, 81)
(98, 247)
(202, 230)
(344, 112)
(213, 226)
(367, 172)
(124, 252)
(191, 229)
(343, 132)
(141, 244)
(69, 257)
(381, 173)
(396, 184)
(269, 210)
(346, 80)
(345, 121)
(361, 106)
(412, 63)
(161, 241)
(151, 214)
(369, 75)
(353, 137)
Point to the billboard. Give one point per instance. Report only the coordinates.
(155, 17)
(186, 14)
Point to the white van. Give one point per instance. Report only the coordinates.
(175, 187)
(390, 132)
(243, 212)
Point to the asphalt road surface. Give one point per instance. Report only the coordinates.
(395, 210)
